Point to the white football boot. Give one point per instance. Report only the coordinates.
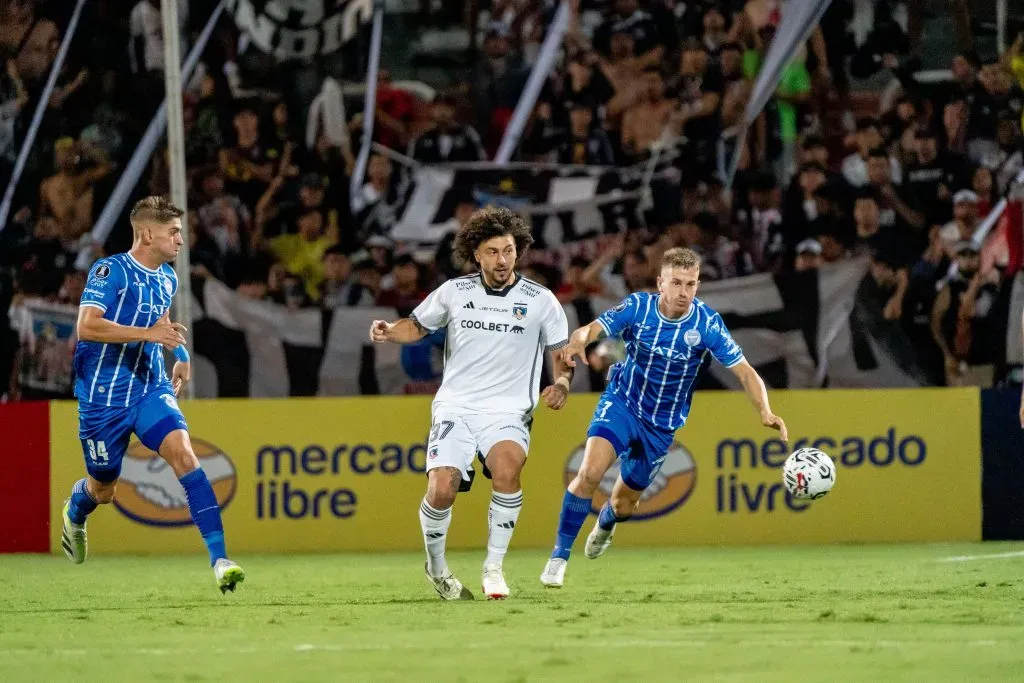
(448, 587)
(73, 538)
(228, 574)
(598, 542)
(494, 586)
(554, 572)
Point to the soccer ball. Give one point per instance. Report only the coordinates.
(808, 474)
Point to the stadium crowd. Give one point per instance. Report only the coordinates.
(826, 173)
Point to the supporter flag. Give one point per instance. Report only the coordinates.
(300, 29)
(808, 330)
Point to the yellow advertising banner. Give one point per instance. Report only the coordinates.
(322, 475)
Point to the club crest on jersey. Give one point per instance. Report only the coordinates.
(433, 452)
(691, 337)
(519, 311)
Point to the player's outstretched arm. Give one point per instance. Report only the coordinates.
(757, 392)
(404, 331)
(93, 327)
(579, 341)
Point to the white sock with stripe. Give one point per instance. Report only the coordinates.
(434, 524)
(501, 518)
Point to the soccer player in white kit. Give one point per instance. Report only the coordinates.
(499, 324)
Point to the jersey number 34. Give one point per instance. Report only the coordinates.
(97, 451)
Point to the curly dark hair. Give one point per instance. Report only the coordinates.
(491, 221)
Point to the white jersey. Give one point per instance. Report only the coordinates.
(495, 344)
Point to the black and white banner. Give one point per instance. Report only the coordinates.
(808, 330)
(300, 29)
(574, 199)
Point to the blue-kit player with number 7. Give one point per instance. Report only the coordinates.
(122, 386)
(668, 335)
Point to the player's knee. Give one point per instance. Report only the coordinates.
(177, 451)
(505, 479)
(587, 481)
(442, 487)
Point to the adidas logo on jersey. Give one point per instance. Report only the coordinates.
(469, 305)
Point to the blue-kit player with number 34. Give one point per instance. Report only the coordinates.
(122, 386)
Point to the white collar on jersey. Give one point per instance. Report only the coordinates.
(136, 262)
(673, 321)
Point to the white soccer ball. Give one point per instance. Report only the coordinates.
(808, 474)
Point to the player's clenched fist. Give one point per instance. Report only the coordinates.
(555, 396)
(379, 331)
(170, 335)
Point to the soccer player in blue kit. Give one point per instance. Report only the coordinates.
(122, 387)
(648, 397)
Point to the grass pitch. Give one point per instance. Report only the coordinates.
(881, 613)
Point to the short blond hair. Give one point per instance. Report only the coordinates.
(154, 209)
(680, 257)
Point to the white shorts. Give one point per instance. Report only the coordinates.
(456, 438)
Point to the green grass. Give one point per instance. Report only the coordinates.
(882, 613)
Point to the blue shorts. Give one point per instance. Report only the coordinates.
(105, 430)
(641, 448)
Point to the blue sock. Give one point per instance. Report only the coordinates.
(202, 504)
(570, 521)
(81, 502)
(607, 519)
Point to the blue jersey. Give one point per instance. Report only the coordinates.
(659, 373)
(130, 294)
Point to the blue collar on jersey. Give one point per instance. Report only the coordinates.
(673, 321)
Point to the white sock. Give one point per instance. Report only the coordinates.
(435, 525)
(501, 519)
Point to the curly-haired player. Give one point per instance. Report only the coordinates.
(498, 324)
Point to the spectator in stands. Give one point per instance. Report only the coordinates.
(934, 176)
(13, 98)
(1006, 160)
(66, 198)
(338, 289)
(996, 97)
(302, 254)
(867, 138)
(376, 205)
(644, 123)
(248, 165)
(808, 256)
(574, 284)
(960, 319)
(496, 83)
(30, 38)
(395, 112)
(147, 48)
(899, 207)
(699, 91)
(626, 16)
(581, 143)
(814, 150)
(964, 223)
(446, 140)
(759, 222)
